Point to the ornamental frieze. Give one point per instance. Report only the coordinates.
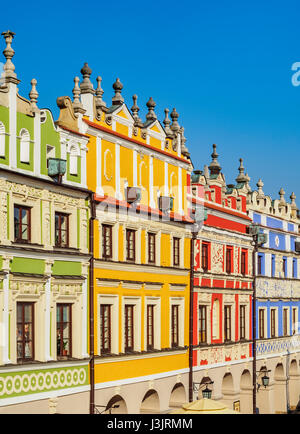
(271, 288)
(280, 345)
(66, 289)
(217, 258)
(222, 354)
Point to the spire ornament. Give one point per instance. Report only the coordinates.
(151, 116)
(33, 95)
(260, 185)
(175, 127)
(100, 104)
(135, 111)
(117, 99)
(214, 166)
(281, 194)
(167, 123)
(77, 106)
(241, 176)
(9, 68)
(293, 198)
(86, 85)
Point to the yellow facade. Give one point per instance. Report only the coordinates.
(124, 152)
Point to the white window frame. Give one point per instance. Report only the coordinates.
(135, 301)
(180, 302)
(113, 300)
(156, 302)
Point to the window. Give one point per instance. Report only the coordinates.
(22, 223)
(105, 328)
(176, 251)
(273, 266)
(285, 322)
(227, 323)
(284, 266)
(107, 242)
(24, 146)
(261, 323)
(130, 245)
(273, 323)
(259, 264)
(61, 230)
(64, 330)
(294, 268)
(242, 322)
(25, 331)
(129, 330)
(150, 326)
(204, 256)
(174, 326)
(228, 260)
(73, 161)
(294, 313)
(202, 324)
(151, 248)
(243, 262)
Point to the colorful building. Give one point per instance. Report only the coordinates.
(222, 296)
(44, 256)
(277, 299)
(138, 172)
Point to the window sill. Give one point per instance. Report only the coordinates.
(26, 243)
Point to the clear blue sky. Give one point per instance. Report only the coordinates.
(225, 66)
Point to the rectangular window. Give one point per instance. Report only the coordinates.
(174, 326)
(285, 322)
(61, 230)
(294, 325)
(294, 268)
(25, 331)
(64, 330)
(107, 242)
(242, 322)
(284, 270)
(130, 245)
(273, 323)
(204, 256)
(227, 323)
(129, 327)
(243, 263)
(150, 327)
(202, 325)
(228, 260)
(176, 251)
(261, 323)
(151, 248)
(259, 264)
(22, 224)
(105, 328)
(273, 265)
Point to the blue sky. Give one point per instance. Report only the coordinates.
(225, 66)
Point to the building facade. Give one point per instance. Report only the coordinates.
(44, 256)
(138, 173)
(222, 298)
(277, 299)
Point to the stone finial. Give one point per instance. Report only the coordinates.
(241, 176)
(214, 166)
(281, 194)
(77, 106)
(117, 99)
(260, 185)
(167, 122)
(86, 85)
(33, 94)
(135, 110)
(175, 127)
(9, 67)
(151, 116)
(293, 201)
(247, 182)
(99, 93)
(206, 171)
(184, 149)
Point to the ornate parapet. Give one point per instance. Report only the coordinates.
(277, 288)
(221, 354)
(279, 345)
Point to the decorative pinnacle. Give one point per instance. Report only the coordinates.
(214, 166)
(86, 85)
(184, 149)
(135, 109)
(78, 107)
(33, 94)
(117, 99)
(9, 67)
(99, 93)
(241, 177)
(151, 116)
(260, 185)
(175, 125)
(293, 198)
(281, 194)
(167, 122)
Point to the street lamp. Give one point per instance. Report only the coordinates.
(206, 393)
(259, 238)
(264, 380)
(105, 408)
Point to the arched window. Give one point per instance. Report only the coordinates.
(2, 140)
(24, 146)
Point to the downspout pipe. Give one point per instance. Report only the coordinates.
(254, 254)
(191, 312)
(91, 303)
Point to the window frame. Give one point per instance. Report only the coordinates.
(175, 326)
(261, 323)
(23, 340)
(285, 320)
(151, 253)
(130, 232)
(150, 345)
(205, 256)
(127, 337)
(202, 321)
(103, 308)
(106, 227)
(176, 251)
(228, 261)
(273, 333)
(60, 306)
(242, 321)
(28, 211)
(243, 262)
(61, 214)
(227, 323)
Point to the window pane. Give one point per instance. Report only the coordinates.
(24, 217)
(27, 313)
